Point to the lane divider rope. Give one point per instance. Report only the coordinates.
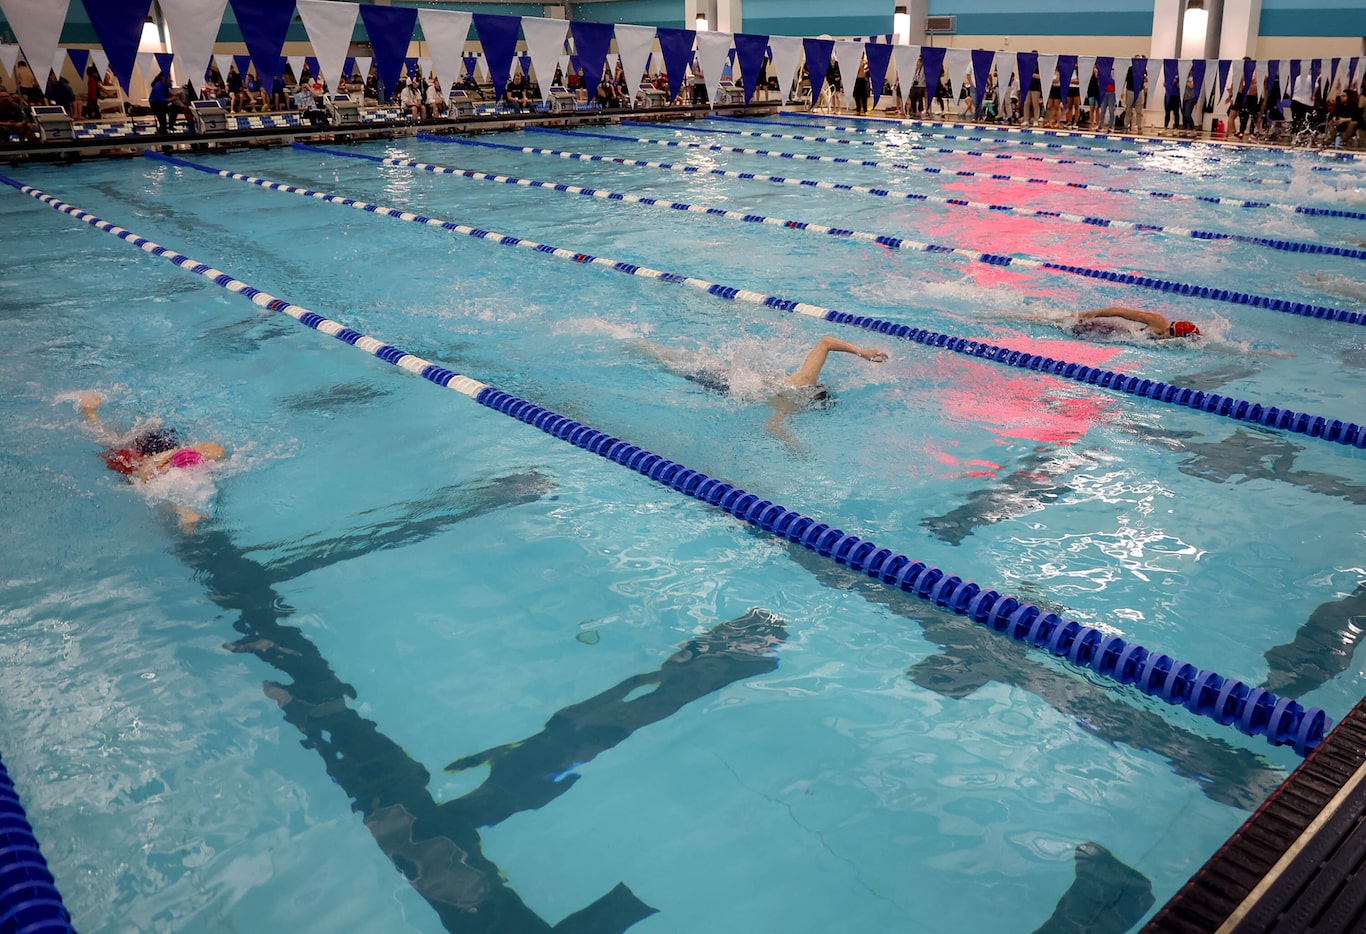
(956, 173)
(29, 900)
(1005, 134)
(948, 151)
(1287, 246)
(1251, 710)
(1122, 278)
(1334, 430)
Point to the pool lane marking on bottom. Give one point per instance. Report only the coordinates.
(1334, 430)
(995, 259)
(1251, 710)
(952, 173)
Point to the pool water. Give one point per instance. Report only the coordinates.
(426, 668)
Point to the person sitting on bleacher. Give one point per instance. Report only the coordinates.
(307, 105)
(436, 101)
(60, 92)
(13, 120)
(607, 96)
(411, 100)
(517, 94)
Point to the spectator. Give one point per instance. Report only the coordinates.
(1033, 104)
(13, 120)
(159, 99)
(861, 88)
(92, 92)
(436, 101)
(1072, 114)
(1189, 98)
(517, 95)
(411, 100)
(60, 92)
(1092, 98)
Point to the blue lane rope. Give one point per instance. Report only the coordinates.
(1334, 430)
(29, 900)
(1253, 711)
(955, 173)
(1064, 134)
(1288, 246)
(948, 151)
(1122, 278)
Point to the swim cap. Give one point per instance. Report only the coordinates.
(186, 457)
(122, 460)
(1183, 329)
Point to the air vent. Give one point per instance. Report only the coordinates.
(941, 25)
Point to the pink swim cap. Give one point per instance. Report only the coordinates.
(186, 457)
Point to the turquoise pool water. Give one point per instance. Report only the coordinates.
(253, 726)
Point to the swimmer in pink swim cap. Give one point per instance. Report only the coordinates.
(151, 452)
(1156, 325)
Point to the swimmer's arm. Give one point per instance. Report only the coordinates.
(810, 370)
(1152, 320)
(777, 427)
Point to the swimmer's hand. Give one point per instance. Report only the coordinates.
(89, 405)
(873, 355)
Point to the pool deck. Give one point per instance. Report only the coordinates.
(1299, 862)
(137, 139)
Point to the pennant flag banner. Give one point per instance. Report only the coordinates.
(164, 60)
(446, 32)
(58, 63)
(1085, 64)
(933, 60)
(9, 57)
(390, 29)
(849, 55)
(37, 24)
(981, 71)
(263, 24)
(879, 57)
(592, 40)
(118, 24)
(330, 25)
(472, 66)
(498, 37)
(904, 57)
(675, 45)
(633, 44)
(1067, 64)
(787, 53)
(1027, 66)
(750, 51)
(1047, 65)
(712, 50)
(243, 63)
(1352, 69)
(193, 28)
(544, 40)
(818, 52)
(1171, 77)
(1197, 75)
(146, 64)
(956, 65)
(363, 65)
(79, 59)
(1225, 66)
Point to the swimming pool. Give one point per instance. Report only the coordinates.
(442, 627)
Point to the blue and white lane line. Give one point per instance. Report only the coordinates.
(1095, 220)
(1004, 132)
(957, 173)
(994, 259)
(1253, 711)
(1335, 430)
(949, 151)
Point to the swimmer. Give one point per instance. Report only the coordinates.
(149, 453)
(802, 388)
(1157, 326)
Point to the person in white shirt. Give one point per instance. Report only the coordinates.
(411, 101)
(436, 101)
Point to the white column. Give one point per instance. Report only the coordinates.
(690, 10)
(1239, 32)
(1166, 28)
(1200, 30)
(728, 16)
(916, 12)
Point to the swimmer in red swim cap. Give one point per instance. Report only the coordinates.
(1156, 325)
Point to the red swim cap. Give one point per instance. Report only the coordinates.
(1184, 329)
(122, 460)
